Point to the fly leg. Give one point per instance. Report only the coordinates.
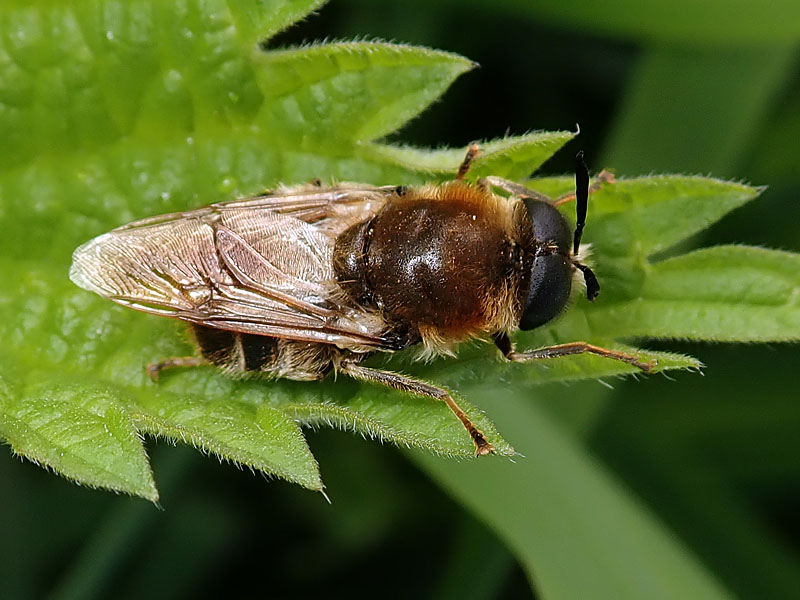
(472, 152)
(520, 191)
(602, 178)
(504, 344)
(512, 187)
(419, 388)
(154, 369)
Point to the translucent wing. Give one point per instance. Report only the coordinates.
(260, 265)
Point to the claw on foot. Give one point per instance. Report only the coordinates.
(482, 447)
(153, 370)
(648, 366)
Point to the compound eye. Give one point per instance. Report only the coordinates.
(549, 225)
(551, 283)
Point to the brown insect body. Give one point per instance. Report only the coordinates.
(436, 265)
(309, 279)
(440, 263)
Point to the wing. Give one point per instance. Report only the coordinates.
(260, 265)
(346, 202)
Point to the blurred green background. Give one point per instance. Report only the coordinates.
(704, 87)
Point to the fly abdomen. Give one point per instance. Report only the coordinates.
(236, 352)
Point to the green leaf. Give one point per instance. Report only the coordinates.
(513, 157)
(658, 212)
(249, 433)
(321, 96)
(727, 293)
(79, 432)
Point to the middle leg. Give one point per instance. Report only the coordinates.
(506, 347)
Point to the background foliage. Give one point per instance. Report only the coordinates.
(714, 459)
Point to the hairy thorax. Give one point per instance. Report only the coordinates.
(435, 261)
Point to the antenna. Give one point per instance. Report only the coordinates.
(592, 285)
(581, 205)
(581, 197)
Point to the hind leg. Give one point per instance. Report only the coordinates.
(420, 388)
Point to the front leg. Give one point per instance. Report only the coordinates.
(520, 191)
(503, 342)
(602, 178)
(472, 153)
(513, 188)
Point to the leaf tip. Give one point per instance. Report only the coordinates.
(315, 484)
(152, 495)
